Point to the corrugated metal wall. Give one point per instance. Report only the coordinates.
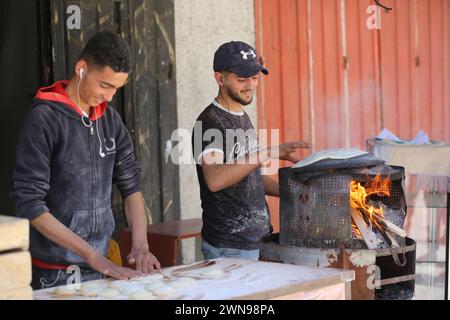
(334, 82)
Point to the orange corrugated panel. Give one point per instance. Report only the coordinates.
(318, 95)
(364, 103)
(304, 78)
(333, 74)
(423, 53)
(290, 75)
(356, 79)
(437, 77)
(270, 106)
(446, 67)
(404, 57)
(389, 63)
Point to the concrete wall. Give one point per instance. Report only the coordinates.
(201, 26)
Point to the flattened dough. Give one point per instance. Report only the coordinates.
(108, 293)
(164, 291)
(183, 283)
(90, 291)
(118, 284)
(215, 273)
(95, 284)
(65, 291)
(150, 277)
(141, 295)
(154, 285)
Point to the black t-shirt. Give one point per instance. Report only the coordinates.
(237, 216)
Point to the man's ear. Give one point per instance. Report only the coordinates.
(81, 65)
(220, 78)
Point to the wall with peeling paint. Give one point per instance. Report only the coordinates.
(201, 26)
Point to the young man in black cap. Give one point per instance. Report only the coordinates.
(71, 148)
(229, 160)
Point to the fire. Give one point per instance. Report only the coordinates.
(359, 196)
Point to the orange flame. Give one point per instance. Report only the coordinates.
(359, 195)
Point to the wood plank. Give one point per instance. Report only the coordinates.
(25, 293)
(145, 102)
(58, 39)
(368, 237)
(15, 270)
(14, 233)
(394, 243)
(393, 228)
(167, 107)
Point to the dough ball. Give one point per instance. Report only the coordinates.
(108, 293)
(183, 283)
(141, 295)
(164, 291)
(65, 291)
(154, 285)
(90, 291)
(118, 284)
(127, 290)
(215, 273)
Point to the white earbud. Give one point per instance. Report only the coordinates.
(81, 73)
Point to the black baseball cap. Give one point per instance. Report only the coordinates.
(238, 57)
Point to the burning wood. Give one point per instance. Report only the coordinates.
(367, 235)
(368, 218)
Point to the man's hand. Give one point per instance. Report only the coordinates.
(140, 256)
(101, 264)
(144, 260)
(284, 151)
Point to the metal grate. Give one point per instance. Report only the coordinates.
(316, 213)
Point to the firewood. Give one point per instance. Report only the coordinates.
(393, 242)
(386, 223)
(368, 236)
(393, 228)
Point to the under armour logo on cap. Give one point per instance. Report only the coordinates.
(250, 53)
(238, 57)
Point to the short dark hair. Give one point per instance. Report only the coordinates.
(107, 48)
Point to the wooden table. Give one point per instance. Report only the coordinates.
(163, 239)
(256, 280)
